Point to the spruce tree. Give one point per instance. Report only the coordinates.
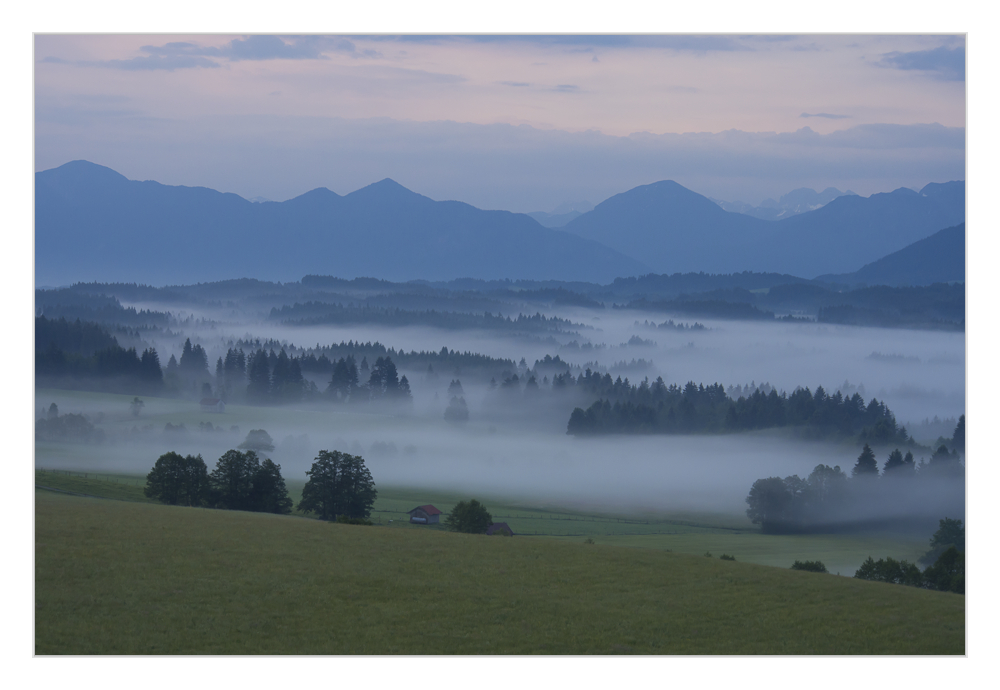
(895, 462)
(259, 378)
(866, 465)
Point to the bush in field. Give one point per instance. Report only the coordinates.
(811, 566)
(178, 480)
(891, 571)
(725, 557)
(470, 517)
(339, 484)
(948, 572)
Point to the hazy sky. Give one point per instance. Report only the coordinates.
(514, 122)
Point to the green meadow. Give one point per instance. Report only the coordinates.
(122, 577)
(680, 532)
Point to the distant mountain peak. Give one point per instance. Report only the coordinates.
(387, 190)
(84, 168)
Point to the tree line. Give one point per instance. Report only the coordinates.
(945, 571)
(339, 485)
(696, 408)
(945, 562)
(269, 378)
(71, 304)
(71, 355)
(323, 358)
(316, 313)
(829, 501)
(937, 306)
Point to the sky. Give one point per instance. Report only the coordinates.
(516, 122)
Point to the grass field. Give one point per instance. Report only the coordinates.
(121, 577)
(681, 533)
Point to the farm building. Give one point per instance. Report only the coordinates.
(212, 405)
(498, 527)
(425, 515)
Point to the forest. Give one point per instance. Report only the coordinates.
(622, 408)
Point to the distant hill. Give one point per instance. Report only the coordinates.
(939, 258)
(677, 230)
(92, 223)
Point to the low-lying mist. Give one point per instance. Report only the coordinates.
(496, 456)
(918, 374)
(518, 446)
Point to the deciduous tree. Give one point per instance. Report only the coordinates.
(470, 517)
(269, 494)
(178, 480)
(232, 480)
(339, 484)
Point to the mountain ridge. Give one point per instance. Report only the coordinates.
(93, 223)
(684, 231)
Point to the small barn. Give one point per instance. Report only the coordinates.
(425, 515)
(212, 405)
(499, 528)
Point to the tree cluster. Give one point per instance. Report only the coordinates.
(240, 481)
(75, 337)
(83, 355)
(827, 501)
(66, 428)
(946, 574)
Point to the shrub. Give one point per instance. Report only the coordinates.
(891, 571)
(948, 572)
(724, 557)
(471, 517)
(811, 566)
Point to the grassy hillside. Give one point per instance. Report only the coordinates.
(117, 577)
(690, 533)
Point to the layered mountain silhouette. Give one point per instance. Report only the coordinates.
(677, 230)
(939, 258)
(92, 223)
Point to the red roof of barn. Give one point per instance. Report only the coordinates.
(429, 509)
